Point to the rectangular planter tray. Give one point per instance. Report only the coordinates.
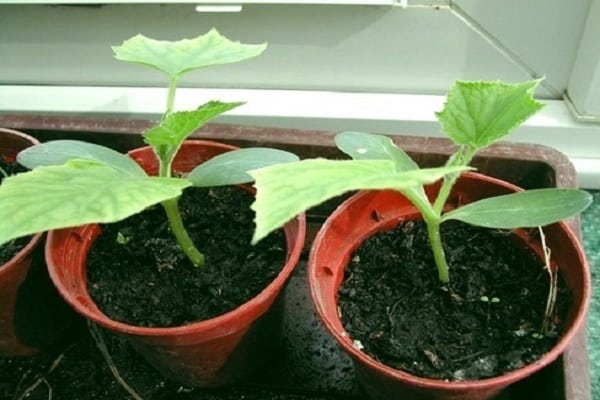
(310, 365)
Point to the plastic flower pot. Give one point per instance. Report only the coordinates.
(352, 222)
(14, 272)
(212, 352)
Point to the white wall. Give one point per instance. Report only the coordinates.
(345, 48)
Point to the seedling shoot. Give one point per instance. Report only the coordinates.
(72, 183)
(476, 114)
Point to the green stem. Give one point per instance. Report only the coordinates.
(463, 157)
(432, 220)
(171, 94)
(164, 169)
(171, 207)
(3, 172)
(435, 240)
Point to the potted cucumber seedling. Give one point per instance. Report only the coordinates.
(507, 296)
(208, 328)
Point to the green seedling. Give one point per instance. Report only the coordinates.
(476, 114)
(122, 239)
(72, 183)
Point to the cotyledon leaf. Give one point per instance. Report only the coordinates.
(525, 209)
(369, 146)
(231, 168)
(58, 152)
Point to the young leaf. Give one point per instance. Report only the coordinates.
(286, 190)
(77, 193)
(58, 152)
(368, 146)
(476, 114)
(178, 57)
(523, 209)
(167, 136)
(232, 168)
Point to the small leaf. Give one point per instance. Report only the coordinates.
(175, 58)
(526, 209)
(476, 114)
(368, 146)
(232, 168)
(121, 239)
(58, 152)
(167, 136)
(286, 190)
(76, 193)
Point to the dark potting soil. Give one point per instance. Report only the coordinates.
(138, 274)
(8, 250)
(484, 323)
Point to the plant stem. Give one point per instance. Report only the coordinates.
(435, 241)
(171, 207)
(3, 173)
(171, 94)
(462, 157)
(432, 220)
(164, 169)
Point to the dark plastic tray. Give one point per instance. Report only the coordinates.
(310, 365)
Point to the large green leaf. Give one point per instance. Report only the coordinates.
(286, 190)
(76, 193)
(523, 209)
(167, 136)
(175, 58)
(232, 168)
(58, 152)
(477, 114)
(368, 146)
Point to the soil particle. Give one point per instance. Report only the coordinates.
(138, 274)
(484, 323)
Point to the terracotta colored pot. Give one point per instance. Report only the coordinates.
(213, 352)
(353, 222)
(14, 272)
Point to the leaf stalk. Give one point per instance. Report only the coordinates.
(462, 157)
(171, 94)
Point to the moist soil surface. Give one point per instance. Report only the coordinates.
(138, 274)
(486, 322)
(8, 250)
